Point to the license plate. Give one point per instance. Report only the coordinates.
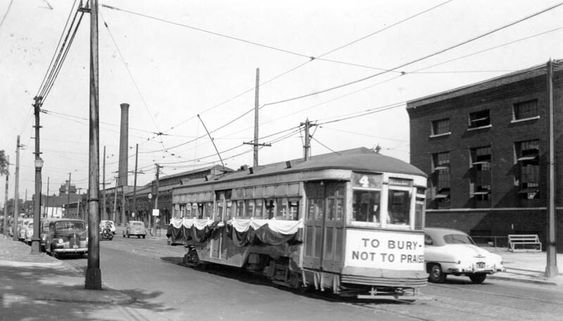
(480, 265)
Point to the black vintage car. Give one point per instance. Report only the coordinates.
(65, 237)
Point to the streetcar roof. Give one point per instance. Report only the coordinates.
(359, 159)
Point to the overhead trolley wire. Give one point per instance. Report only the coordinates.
(59, 58)
(416, 60)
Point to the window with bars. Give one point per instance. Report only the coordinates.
(479, 119)
(441, 179)
(525, 110)
(480, 179)
(528, 177)
(441, 127)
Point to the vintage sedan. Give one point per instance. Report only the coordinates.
(66, 236)
(135, 228)
(449, 251)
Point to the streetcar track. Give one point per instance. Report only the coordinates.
(528, 298)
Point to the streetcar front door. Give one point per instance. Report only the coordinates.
(324, 225)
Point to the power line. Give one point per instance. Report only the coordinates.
(6, 13)
(416, 60)
(310, 58)
(131, 76)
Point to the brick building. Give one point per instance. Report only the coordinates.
(485, 149)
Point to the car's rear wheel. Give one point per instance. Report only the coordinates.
(477, 278)
(436, 275)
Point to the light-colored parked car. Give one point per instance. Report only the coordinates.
(135, 228)
(28, 233)
(448, 251)
(111, 225)
(22, 228)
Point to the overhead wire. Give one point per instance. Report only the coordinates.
(415, 60)
(131, 76)
(310, 58)
(64, 48)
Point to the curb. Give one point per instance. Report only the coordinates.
(533, 281)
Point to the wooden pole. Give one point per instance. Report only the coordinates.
(93, 273)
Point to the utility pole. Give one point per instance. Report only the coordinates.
(104, 214)
(16, 192)
(307, 144)
(158, 167)
(551, 269)
(36, 240)
(114, 201)
(255, 143)
(93, 273)
(5, 226)
(68, 196)
(135, 180)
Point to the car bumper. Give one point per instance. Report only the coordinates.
(471, 269)
(78, 250)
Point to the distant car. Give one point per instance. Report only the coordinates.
(44, 231)
(449, 251)
(111, 225)
(22, 228)
(28, 233)
(66, 236)
(135, 228)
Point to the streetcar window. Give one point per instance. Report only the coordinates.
(249, 209)
(399, 207)
(208, 210)
(240, 209)
(283, 213)
(293, 210)
(270, 209)
(366, 206)
(419, 213)
(316, 209)
(259, 210)
(195, 210)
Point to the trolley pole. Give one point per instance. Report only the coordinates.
(551, 269)
(93, 273)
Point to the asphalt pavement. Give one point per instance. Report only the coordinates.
(41, 277)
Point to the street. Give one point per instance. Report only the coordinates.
(149, 271)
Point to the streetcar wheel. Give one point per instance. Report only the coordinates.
(478, 278)
(436, 274)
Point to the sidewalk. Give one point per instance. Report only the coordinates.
(527, 267)
(42, 277)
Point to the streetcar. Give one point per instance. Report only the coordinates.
(350, 222)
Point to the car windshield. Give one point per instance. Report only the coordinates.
(137, 224)
(69, 227)
(458, 239)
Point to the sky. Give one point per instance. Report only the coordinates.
(185, 66)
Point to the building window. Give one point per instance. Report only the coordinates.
(441, 179)
(526, 110)
(528, 177)
(479, 119)
(480, 184)
(441, 127)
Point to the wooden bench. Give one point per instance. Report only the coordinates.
(524, 242)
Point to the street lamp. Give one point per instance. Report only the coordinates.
(36, 239)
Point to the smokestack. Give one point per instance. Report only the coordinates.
(123, 145)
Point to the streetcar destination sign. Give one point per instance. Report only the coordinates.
(385, 250)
